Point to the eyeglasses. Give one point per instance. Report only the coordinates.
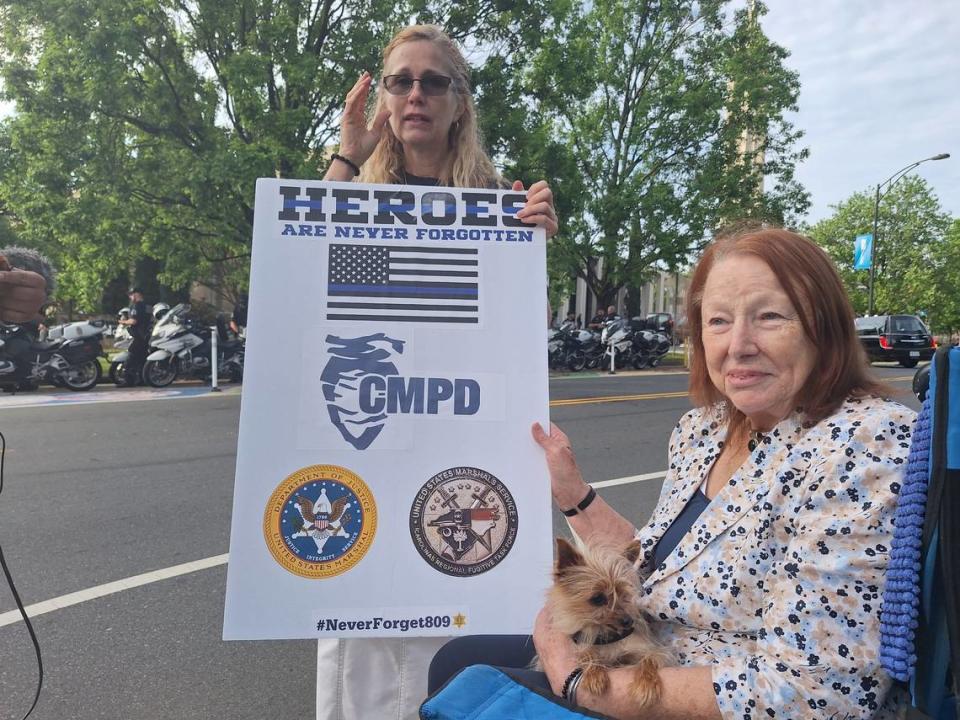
(430, 84)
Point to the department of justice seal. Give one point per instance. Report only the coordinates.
(463, 521)
(320, 521)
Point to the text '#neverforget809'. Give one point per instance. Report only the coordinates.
(394, 214)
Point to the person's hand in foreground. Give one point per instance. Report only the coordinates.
(566, 483)
(538, 209)
(22, 293)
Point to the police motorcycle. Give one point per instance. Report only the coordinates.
(617, 339)
(181, 348)
(592, 348)
(68, 360)
(649, 344)
(123, 340)
(564, 349)
(632, 344)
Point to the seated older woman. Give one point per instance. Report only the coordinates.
(764, 559)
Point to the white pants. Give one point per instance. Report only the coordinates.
(373, 679)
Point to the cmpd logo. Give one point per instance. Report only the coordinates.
(362, 388)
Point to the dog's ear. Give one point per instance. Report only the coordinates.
(567, 556)
(632, 552)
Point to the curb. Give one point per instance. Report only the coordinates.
(648, 372)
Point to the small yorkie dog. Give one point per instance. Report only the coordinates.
(594, 600)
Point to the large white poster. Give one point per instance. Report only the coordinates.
(387, 483)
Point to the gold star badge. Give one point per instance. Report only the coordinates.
(459, 620)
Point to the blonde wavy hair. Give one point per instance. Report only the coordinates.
(469, 165)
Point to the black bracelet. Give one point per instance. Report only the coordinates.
(582, 505)
(348, 161)
(564, 692)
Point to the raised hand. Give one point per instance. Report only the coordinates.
(566, 483)
(357, 139)
(539, 209)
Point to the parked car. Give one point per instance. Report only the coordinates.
(661, 323)
(654, 322)
(896, 338)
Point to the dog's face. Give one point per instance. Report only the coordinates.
(595, 592)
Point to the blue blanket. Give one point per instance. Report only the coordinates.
(481, 692)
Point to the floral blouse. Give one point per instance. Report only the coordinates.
(777, 585)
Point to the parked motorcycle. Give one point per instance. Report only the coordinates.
(632, 345)
(181, 348)
(564, 349)
(593, 349)
(649, 344)
(617, 338)
(122, 340)
(69, 360)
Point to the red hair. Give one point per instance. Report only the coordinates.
(813, 285)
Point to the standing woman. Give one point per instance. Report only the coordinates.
(424, 129)
(424, 132)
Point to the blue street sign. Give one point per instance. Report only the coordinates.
(863, 251)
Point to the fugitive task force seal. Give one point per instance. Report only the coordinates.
(320, 521)
(463, 521)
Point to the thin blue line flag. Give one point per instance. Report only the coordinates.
(403, 284)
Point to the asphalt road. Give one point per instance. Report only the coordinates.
(101, 492)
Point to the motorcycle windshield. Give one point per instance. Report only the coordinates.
(173, 317)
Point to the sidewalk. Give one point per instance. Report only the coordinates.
(626, 372)
(672, 364)
(48, 396)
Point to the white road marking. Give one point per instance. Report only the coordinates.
(629, 479)
(64, 601)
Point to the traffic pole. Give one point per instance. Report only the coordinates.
(214, 365)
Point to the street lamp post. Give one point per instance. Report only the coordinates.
(889, 182)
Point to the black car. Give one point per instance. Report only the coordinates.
(654, 322)
(896, 338)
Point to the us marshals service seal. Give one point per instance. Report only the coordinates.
(463, 521)
(320, 521)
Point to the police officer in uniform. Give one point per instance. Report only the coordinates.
(597, 321)
(238, 323)
(138, 322)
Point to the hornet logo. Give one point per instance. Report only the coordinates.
(362, 387)
(351, 360)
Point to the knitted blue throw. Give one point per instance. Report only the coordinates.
(900, 610)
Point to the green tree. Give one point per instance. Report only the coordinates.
(141, 125)
(7, 234)
(910, 250)
(945, 299)
(647, 107)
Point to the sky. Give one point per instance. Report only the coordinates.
(880, 89)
